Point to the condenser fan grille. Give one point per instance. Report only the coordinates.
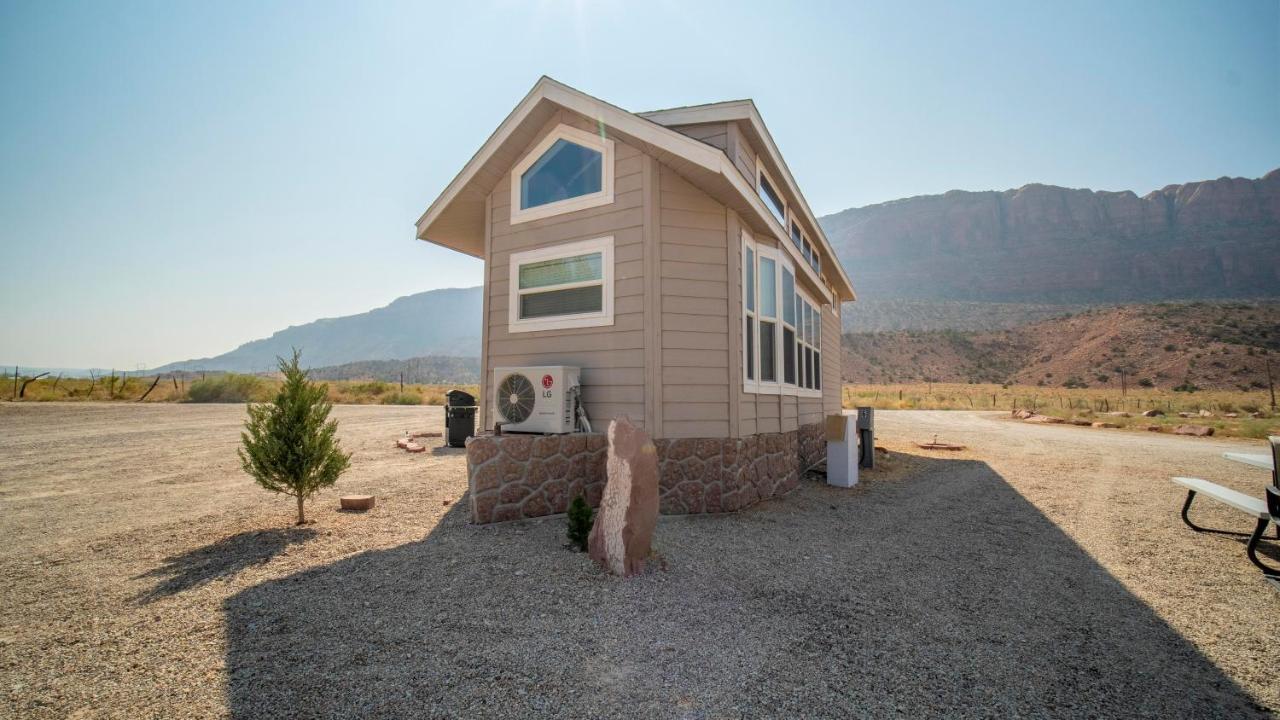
(515, 398)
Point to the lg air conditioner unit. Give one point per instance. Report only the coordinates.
(536, 399)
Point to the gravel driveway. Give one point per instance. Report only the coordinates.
(1044, 572)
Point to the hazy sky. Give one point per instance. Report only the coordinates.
(178, 178)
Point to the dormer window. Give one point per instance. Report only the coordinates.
(569, 170)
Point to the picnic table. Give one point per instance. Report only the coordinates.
(1264, 511)
(1259, 460)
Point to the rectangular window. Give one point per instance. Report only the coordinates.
(772, 199)
(808, 342)
(788, 356)
(796, 236)
(562, 286)
(779, 345)
(768, 353)
(768, 287)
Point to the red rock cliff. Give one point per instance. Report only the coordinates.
(1041, 243)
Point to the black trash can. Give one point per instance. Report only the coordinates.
(459, 417)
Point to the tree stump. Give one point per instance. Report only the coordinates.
(358, 503)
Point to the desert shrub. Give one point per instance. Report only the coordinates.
(1074, 382)
(580, 522)
(402, 398)
(228, 388)
(369, 387)
(1146, 382)
(290, 445)
(1187, 386)
(1170, 347)
(1102, 378)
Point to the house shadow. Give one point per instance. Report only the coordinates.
(225, 557)
(940, 595)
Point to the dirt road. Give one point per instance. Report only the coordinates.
(1042, 572)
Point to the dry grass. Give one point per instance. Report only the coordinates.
(225, 387)
(1083, 403)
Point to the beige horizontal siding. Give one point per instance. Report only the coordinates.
(830, 362)
(694, 292)
(695, 428)
(714, 134)
(612, 358)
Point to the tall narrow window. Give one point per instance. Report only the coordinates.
(768, 319)
(749, 304)
(772, 199)
(788, 326)
(569, 170)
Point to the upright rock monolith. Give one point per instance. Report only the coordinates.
(623, 532)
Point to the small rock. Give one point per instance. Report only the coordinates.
(1195, 430)
(1153, 412)
(1044, 419)
(1105, 425)
(1023, 414)
(1152, 428)
(1231, 415)
(1184, 414)
(1205, 413)
(414, 447)
(1081, 422)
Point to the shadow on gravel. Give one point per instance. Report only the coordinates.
(944, 594)
(224, 557)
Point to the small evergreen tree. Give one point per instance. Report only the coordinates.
(580, 523)
(288, 444)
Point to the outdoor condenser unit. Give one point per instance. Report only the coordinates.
(866, 437)
(539, 399)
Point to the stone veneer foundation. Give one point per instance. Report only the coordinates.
(526, 476)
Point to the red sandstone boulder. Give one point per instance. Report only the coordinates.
(621, 537)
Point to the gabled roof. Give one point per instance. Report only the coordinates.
(456, 218)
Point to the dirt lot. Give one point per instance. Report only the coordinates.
(1043, 572)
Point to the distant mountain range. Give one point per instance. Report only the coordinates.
(972, 261)
(436, 322)
(1045, 245)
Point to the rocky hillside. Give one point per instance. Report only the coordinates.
(1046, 244)
(1208, 345)
(437, 322)
(429, 370)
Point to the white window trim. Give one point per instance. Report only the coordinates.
(602, 245)
(780, 386)
(559, 207)
(816, 345)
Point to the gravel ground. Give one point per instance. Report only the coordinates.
(1043, 572)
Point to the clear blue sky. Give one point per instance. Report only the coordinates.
(178, 178)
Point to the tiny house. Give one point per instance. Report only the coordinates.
(668, 254)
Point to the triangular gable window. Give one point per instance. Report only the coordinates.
(569, 170)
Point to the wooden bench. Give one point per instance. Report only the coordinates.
(1263, 511)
